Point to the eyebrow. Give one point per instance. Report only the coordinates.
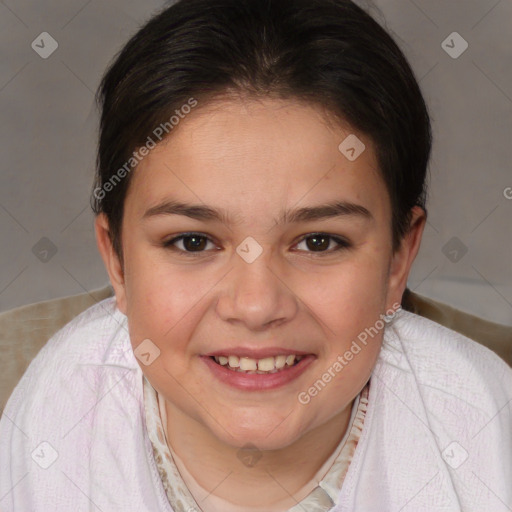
(305, 214)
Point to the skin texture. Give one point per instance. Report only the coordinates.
(253, 159)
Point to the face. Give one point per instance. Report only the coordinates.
(268, 276)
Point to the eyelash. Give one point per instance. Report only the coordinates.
(342, 244)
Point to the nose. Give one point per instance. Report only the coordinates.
(257, 295)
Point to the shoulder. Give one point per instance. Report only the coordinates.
(437, 426)
(76, 417)
(447, 367)
(429, 342)
(440, 406)
(67, 372)
(87, 339)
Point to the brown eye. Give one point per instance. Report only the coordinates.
(320, 243)
(191, 243)
(195, 244)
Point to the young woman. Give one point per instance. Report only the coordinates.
(259, 200)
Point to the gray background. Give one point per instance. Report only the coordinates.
(49, 125)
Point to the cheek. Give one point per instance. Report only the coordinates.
(158, 293)
(354, 331)
(342, 379)
(161, 307)
(348, 295)
(349, 302)
(167, 316)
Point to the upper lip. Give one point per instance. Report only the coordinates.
(259, 353)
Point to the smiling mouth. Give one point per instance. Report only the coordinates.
(267, 365)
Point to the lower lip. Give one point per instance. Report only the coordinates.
(258, 381)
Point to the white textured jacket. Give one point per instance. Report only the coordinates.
(437, 434)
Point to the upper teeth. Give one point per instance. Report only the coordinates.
(266, 364)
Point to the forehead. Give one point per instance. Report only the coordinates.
(248, 156)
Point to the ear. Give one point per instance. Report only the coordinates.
(111, 260)
(403, 258)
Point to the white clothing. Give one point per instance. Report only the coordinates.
(437, 435)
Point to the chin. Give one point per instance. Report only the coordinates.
(274, 434)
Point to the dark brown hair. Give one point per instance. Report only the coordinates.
(328, 52)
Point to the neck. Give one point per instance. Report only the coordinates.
(277, 477)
